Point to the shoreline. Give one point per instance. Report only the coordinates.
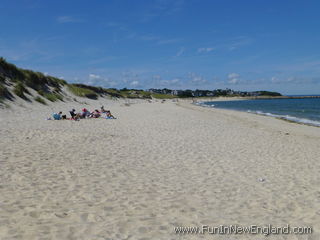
(288, 118)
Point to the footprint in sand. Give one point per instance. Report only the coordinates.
(61, 215)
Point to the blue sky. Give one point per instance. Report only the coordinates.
(178, 44)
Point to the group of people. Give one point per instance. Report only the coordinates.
(85, 113)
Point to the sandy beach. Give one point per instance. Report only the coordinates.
(156, 167)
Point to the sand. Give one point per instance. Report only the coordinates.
(156, 167)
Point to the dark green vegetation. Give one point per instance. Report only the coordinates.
(267, 93)
(20, 90)
(51, 96)
(163, 96)
(4, 93)
(83, 91)
(92, 92)
(19, 79)
(40, 100)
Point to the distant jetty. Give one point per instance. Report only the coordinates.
(282, 97)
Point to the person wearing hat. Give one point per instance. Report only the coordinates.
(85, 113)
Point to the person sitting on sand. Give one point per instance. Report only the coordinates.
(95, 113)
(109, 115)
(77, 117)
(57, 116)
(73, 113)
(85, 113)
(103, 110)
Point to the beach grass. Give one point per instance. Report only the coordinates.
(162, 96)
(40, 100)
(134, 93)
(3, 91)
(20, 90)
(51, 96)
(82, 92)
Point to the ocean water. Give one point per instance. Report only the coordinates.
(305, 110)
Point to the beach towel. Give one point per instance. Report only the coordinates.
(56, 116)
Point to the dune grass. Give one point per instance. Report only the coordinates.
(82, 92)
(2, 79)
(40, 100)
(134, 93)
(162, 96)
(20, 90)
(51, 96)
(3, 91)
(29, 78)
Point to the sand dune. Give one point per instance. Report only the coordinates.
(156, 167)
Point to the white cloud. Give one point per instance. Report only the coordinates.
(196, 79)
(233, 81)
(233, 78)
(134, 83)
(94, 77)
(205, 50)
(233, 75)
(172, 82)
(129, 77)
(97, 80)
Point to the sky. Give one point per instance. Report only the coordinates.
(244, 45)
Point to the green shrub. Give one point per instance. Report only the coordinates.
(2, 79)
(41, 92)
(50, 96)
(40, 100)
(82, 92)
(113, 92)
(58, 96)
(53, 81)
(3, 91)
(10, 69)
(145, 94)
(34, 80)
(162, 96)
(57, 89)
(98, 90)
(19, 89)
(53, 97)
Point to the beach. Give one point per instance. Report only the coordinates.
(156, 167)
